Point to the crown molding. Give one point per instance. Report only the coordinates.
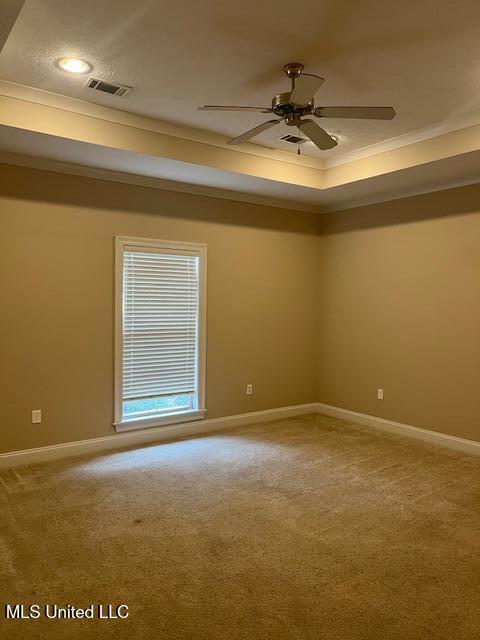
(111, 114)
(404, 140)
(146, 123)
(116, 133)
(44, 164)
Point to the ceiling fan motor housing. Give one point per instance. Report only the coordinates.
(282, 107)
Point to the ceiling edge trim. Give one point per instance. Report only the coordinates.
(415, 191)
(44, 164)
(147, 123)
(41, 118)
(50, 120)
(447, 145)
(403, 140)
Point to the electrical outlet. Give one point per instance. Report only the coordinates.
(249, 389)
(36, 416)
(379, 394)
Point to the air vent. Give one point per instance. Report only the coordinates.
(293, 139)
(107, 87)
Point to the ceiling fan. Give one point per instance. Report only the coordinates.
(292, 106)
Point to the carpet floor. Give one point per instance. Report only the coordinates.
(302, 528)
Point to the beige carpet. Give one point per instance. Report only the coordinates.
(304, 528)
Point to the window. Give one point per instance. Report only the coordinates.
(160, 332)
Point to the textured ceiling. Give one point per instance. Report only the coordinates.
(421, 57)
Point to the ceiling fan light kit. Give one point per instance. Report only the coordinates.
(292, 106)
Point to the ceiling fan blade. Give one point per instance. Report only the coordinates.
(254, 132)
(306, 86)
(368, 113)
(317, 135)
(219, 107)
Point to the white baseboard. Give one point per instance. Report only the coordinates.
(148, 436)
(160, 434)
(452, 442)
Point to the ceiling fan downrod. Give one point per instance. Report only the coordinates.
(293, 70)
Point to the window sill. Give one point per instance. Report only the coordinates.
(159, 421)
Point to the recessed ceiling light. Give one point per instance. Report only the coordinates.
(74, 65)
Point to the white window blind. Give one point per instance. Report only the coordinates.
(160, 321)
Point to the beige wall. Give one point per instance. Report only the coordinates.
(400, 309)
(56, 281)
(384, 296)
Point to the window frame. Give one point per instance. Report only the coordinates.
(199, 410)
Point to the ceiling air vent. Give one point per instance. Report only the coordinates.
(293, 139)
(107, 87)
